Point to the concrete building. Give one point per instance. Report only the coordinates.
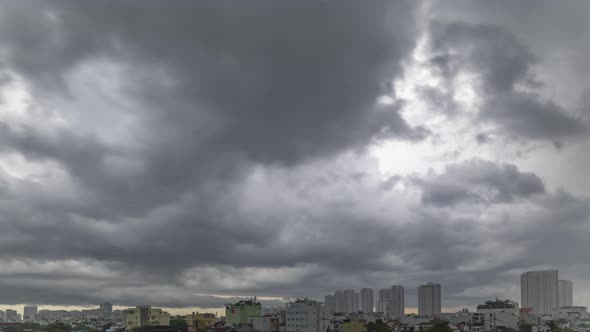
(351, 301)
(565, 290)
(144, 316)
(570, 313)
(306, 316)
(200, 321)
(429, 300)
(12, 315)
(266, 323)
(331, 304)
(397, 306)
(240, 313)
(391, 302)
(385, 294)
(539, 291)
(383, 300)
(497, 314)
(106, 308)
(367, 302)
(340, 301)
(30, 313)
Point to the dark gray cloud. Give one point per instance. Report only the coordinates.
(172, 149)
(479, 181)
(504, 65)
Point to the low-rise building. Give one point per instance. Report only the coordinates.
(570, 313)
(306, 316)
(498, 314)
(239, 313)
(266, 323)
(144, 316)
(198, 322)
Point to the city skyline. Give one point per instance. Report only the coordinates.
(186, 154)
(391, 301)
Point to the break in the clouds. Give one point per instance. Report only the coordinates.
(162, 152)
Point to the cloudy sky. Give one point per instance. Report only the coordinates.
(165, 151)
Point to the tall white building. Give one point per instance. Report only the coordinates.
(391, 301)
(384, 300)
(385, 294)
(539, 290)
(330, 301)
(367, 302)
(11, 315)
(397, 306)
(429, 300)
(351, 301)
(565, 290)
(306, 316)
(340, 301)
(106, 308)
(30, 313)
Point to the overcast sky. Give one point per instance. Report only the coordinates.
(163, 151)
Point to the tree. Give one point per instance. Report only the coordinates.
(552, 325)
(440, 326)
(378, 326)
(179, 325)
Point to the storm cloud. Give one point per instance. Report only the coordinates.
(169, 152)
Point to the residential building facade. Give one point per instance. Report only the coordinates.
(429, 299)
(539, 291)
(30, 313)
(367, 302)
(306, 316)
(565, 290)
(144, 316)
(240, 313)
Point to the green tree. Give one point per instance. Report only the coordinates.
(378, 326)
(440, 326)
(179, 325)
(552, 325)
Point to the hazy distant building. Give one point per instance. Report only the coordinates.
(330, 301)
(351, 301)
(385, 294)
(367, 302)
(106, 308)
(571, 313)
(11, 315)
(565, 290)
(30, 313)
(429, 300)
(391, 301)
(384, 300)
(306, 316)
(340, 301)
(397, 306)
(539, 291)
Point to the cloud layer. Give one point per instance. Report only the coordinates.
(157, 153)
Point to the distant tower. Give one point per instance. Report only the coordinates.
(397, 306)
(429, 300)
(30, 313)
(539, 290)
(566, 293)
(367, 302)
